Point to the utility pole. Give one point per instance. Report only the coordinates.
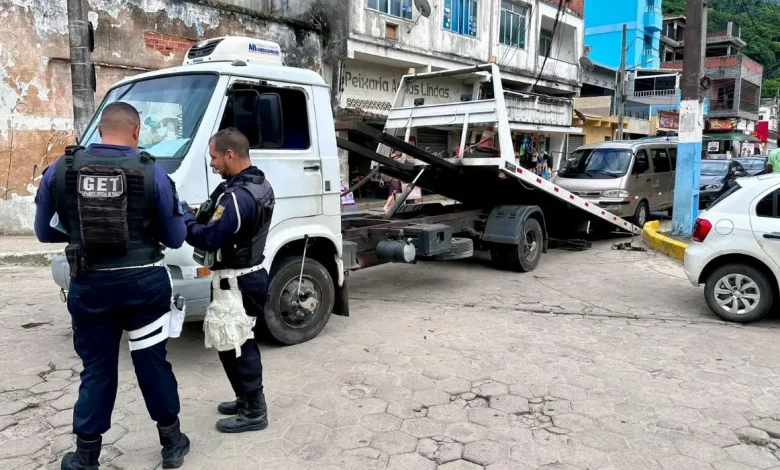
(81, 68)
(689, 147)
(621, 85)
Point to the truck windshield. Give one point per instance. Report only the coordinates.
(597, 163)
(171, 108)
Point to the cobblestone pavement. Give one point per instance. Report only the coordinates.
(451, 366)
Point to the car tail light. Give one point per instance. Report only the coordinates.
(701, 229)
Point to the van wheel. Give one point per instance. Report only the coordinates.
(641, 214)
(526, 256)
(739, 293)
(290, 319)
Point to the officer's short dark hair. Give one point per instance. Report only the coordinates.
(231, 139)
(119, 116)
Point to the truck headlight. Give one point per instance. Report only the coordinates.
(622, 193)
(713, 186)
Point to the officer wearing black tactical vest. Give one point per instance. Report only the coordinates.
(228, 234)
(115, 208)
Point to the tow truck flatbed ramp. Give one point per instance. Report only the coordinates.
(479, 185)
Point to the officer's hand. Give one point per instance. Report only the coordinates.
(185, 208)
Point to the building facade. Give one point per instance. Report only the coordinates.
(604, 20)
(735, 95)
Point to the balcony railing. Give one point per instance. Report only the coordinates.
(655, 93)
(654, 18)
(538, 109)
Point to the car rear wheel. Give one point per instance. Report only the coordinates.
(739, 293)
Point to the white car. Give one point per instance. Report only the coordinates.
(735, 251)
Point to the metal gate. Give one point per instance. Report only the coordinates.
(575, 141)
(432, 140)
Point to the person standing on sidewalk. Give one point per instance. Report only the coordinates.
(116, 207)
(773, 161)
(229, 233)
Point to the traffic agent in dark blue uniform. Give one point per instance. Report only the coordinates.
(116, 208)
(229, 234)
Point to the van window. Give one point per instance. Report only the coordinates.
(673, 158)
(660, 161)
(295, 119)
(641, 157)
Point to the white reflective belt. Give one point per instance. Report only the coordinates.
(161, 324)
(153, 265)
(228, 273)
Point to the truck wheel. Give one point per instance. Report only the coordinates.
(461, 248)
(292, 320)
(739, 293)
(526, 256)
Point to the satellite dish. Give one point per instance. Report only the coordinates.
(586, 63)
(423, 7)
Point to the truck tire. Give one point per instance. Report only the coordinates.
(753, 296)
(526, 256)
(290, 324)
(461, 248)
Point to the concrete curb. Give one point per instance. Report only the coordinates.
(669, 246)
(28, 258)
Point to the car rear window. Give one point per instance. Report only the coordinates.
(728, 193)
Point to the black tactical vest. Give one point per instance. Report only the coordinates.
(107, 205)
(245, 248)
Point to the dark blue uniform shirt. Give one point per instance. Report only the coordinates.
(170, 222)
(226, 221)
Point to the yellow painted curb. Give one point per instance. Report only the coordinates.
(664, 244)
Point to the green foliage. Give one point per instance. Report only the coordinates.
(760, 24)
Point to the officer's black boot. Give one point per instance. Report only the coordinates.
(175, 445)
(86, 455)
(231, 408)
(253, 418)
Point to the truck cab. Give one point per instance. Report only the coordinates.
(286, 114)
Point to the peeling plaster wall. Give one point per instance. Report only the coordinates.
(35, 89)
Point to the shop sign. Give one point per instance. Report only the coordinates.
(723, 124)
(372, 88)
(713, 146)
(669, 119)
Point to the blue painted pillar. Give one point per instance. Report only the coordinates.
(686, 183)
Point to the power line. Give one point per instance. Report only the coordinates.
(549, 50)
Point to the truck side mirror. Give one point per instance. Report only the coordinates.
(271, 128)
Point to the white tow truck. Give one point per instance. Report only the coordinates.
(286, 114)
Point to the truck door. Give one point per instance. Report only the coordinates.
(292, 165)
(765, 220)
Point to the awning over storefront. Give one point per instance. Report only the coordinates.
(732, 136)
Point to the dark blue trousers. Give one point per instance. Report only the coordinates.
(102, 304)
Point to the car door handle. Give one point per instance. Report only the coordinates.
(772, 236)
(648, 180)
(312, 168)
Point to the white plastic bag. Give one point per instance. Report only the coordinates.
(227, 326)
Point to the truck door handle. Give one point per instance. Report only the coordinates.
(772, 236)
(648, 180)
(313, 168)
